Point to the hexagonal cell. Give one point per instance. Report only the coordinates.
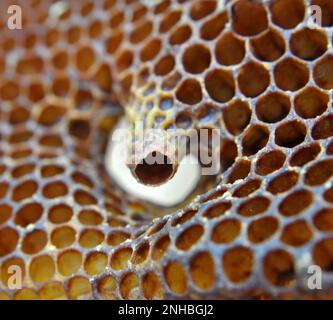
(273, 107)
(124, 60)
(30, 65)
(52, 291)
(61, 86)
(6, 212)
(196, 58)
(262, 229)
(323, 254)
(84, 198)
(19, 136)
(164, 65)
(329, 149)
(189, 92)
(95, 263)
(120, 258)
(160, 247)
(141, 31)
(296, 233)
(79, 128)
(116, 19)
(3, 189)
(308, 44)
(51, 114)
(25, 294)
(103, 78)
(238, 264)
(24, 190)
(255, 138)
(323, 128)
(28, 213)
(283, 182)
(212, 27)
(51, 140)
(279, 268)
(113, 42)
(34, 242)
(73, 35)
(79, 287)
(8, 240)
(247, 188)
(226, 231)
(202, 270)
(311, 102)
(69, 262)
(328, 195)
(291, 75)
(85, 58)
(140, 254)
(90, 217)
(54, 190)
(305, 155)
(169, 20)
(90, 238)
(95, 29)
(244, 12)
(151, 286)
(228, 154)
(199, 10)
(220, 85)
(63, 237)
(180, 35)
(189, 237)
(36, 91)
(18, 115)
(270, 162)
(60, 60)
(9, 90)
(269, 46)
(323, 72)
(183, 120)
(162, 6)
(319, 173)
(207, 114)
(323, 220)
(253, 206)
(22, 170)
(229, 49)
(175, 277)
(240, 170)
(106, 287)
(139, 12)
(290, 134)
(150, 49)
(287, 14)
(253, 79)
(51, 170)
(41, 268)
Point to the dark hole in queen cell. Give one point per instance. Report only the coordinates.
(155, 169)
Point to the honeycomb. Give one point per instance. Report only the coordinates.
(253, 69)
